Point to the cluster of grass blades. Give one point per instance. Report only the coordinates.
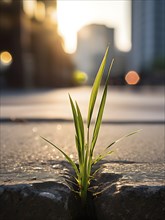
(85, 145)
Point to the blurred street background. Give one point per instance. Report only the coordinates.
(60, 43)
(49, 48)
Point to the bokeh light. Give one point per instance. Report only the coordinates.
(29, 7)
(7, 1)
(132, 78)
(80, 77)
(5, 58)
(39, 11)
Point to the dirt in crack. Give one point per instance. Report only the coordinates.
(80, 212)
(104, 182)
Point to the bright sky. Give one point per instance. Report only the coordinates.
(74, 14)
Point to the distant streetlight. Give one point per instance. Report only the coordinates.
(5, 58)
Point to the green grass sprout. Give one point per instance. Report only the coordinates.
(85, 144)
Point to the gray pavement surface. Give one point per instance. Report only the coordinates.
(24, 155)
(32, 173)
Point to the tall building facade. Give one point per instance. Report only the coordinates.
(148, 36)
(29, 35)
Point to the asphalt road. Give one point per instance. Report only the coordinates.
(23, 151)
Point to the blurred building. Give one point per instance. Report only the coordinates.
(148, 38)
(92, 41)
(31, 50)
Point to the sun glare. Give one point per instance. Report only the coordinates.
(70, 20)
(72, 15)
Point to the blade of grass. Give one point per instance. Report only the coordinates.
(104, 153)
(77, 123)
(96, 171)
(101, 156)
(127, 135)
(81, 126)
(98, 120)
(100, 111)
(74, 115)
(95, 88)
(66, 156)
(78, 148)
